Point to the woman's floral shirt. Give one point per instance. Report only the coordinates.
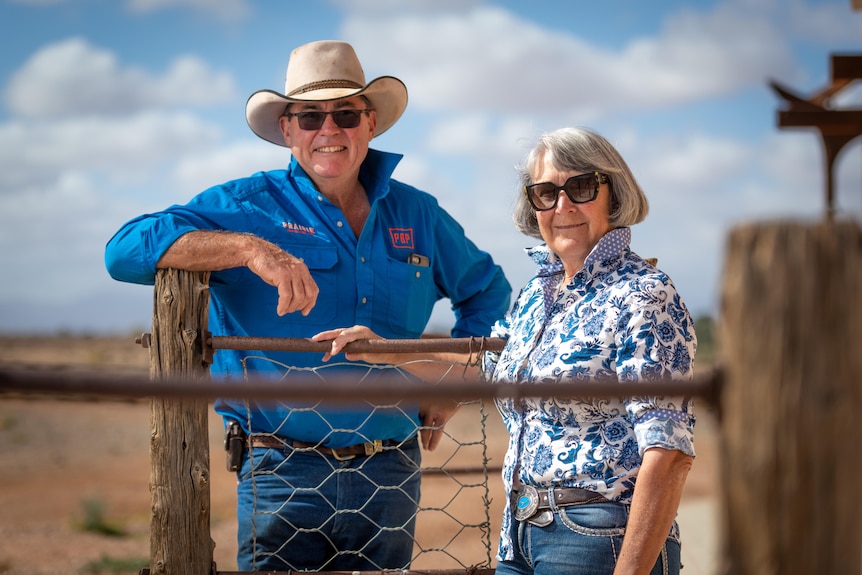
(619, 319)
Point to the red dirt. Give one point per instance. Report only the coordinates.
(58, 457)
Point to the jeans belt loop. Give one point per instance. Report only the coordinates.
(552, 501)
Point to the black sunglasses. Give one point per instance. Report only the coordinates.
(579, 189)
(313, 120)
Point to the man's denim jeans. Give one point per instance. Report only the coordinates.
(305, 511)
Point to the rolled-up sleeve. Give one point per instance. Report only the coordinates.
(657, 343)
(132, 253)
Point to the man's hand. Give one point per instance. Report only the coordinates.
(297, 290)
(434, 417)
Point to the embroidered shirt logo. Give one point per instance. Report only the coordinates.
(297, 228)
(401, 237)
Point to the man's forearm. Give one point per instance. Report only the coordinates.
(206, 250)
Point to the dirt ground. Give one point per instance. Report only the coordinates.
(66, 463)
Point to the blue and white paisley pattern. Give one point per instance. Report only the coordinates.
(619, 318)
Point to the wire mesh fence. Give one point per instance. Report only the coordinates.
(437, 502)
(459, 508)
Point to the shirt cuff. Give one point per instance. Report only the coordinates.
(667, 429)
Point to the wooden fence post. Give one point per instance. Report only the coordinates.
(790, 341)
(180, 542)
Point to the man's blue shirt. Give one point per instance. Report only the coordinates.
(366, 280)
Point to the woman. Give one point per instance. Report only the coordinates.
(595, 483)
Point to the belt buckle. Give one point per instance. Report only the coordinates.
(542, 519)
(372, 448)
(338, 457)
(526, 503)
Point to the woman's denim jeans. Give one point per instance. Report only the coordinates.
(582, 540)
(305, 511)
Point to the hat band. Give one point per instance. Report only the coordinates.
(324, 85)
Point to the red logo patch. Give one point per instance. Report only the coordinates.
(298, 229)
(401, 237)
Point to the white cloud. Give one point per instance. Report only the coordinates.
(75, 78)
(488, 58)
(850, 97)
(196, 172)
(225, 10)
(687, 162)
(64, 228)
(796, 167)
(702, 54)
(477, 134)
(823, 22)
(121, 148)
(379, 7)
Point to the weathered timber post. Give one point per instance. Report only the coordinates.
(791, 407)
(180, 542)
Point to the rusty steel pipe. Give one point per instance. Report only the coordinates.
(339, 387)
(426, 345)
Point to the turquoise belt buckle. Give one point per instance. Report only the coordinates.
(526, 503)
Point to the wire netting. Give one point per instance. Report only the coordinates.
(452, 519)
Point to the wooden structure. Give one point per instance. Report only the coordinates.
(180, 541)
(837, 127)
(791, 403)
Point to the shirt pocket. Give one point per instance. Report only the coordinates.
(412, 295)
(321, 260)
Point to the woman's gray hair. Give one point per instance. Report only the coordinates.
(581, 150)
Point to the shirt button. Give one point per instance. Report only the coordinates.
(418, 274)
(319, 198)
(362, 259)
(365, 300)
(339, 224)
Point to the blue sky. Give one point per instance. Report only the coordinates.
(112, 108)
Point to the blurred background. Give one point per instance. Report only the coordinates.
(115, 108)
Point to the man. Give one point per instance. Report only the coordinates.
(334, 238)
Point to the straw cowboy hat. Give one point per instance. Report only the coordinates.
(321, 72)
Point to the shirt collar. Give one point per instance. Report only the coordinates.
(375, 173)
(609, 246)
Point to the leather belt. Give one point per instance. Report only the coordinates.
(340, 453)
(534, 505)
